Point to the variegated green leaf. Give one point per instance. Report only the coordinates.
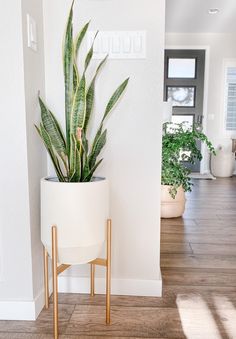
(68, 60)
(97, 136)
(75, 161)
(75, 77)
(90, 54)
(47, 142)
(115, 97)
(101, 141)
(79, 107)
(53, 129)
(80, 38)
(91, 172)
(90, 95)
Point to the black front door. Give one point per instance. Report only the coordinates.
(184, 86)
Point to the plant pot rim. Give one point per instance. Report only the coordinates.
(171, 186)
(54, 180)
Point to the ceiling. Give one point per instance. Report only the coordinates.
(191, 16)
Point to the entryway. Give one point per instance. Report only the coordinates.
(184, 86)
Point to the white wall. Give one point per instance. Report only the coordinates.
(221, 46)
(20, 154)
(132, 155)
(37, 161)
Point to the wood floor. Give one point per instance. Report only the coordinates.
(198, 260)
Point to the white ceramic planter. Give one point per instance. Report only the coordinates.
(80, 212)
(222, 164)
(172, 208)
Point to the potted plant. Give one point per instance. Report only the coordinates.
(75, 201)
(179, 145)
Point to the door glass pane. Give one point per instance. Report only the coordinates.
(181, 96)
(182, 68)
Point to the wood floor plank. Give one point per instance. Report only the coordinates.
(151, 323)
(220, 249)
(198, 238)
(198, 261)
(203, 229)
(176, 248)
(198, 277)
(44, 323)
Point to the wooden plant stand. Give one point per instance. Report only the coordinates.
(56, 270)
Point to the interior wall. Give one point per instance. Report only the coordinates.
(23, 163)
(221, 46)
(15, 254)
(133, 151)
(37, 160)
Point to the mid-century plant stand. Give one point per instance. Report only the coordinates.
(56, 270)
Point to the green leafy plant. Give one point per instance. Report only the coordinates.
(179, 145)
(73, 157)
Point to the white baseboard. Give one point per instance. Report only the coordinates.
(22, 310)
(135, 287)
(29, 310)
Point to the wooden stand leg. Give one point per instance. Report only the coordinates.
(108, 272)
(55, 284)
(46, 289)
(92, 289)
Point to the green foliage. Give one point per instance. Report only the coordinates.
(73, 158)
(177, 140)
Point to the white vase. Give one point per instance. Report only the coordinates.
(172, 208)
(79, 211)
(222, 164)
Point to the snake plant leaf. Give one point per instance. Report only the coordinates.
(114, 98)
(91, 172)
(80, 38)
(75, 163)
(75, 77)
(90, 95)
(68, 61)
(90, 54)
(53, 129)
(97, 136)
(78, 107)
(47, 142)
(58, 126)
(98, 146)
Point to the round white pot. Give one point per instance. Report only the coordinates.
(79, 211)
(172, 208)
(223, 164)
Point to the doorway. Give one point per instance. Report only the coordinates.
(184, 87)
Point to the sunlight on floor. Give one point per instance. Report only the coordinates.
(227, 314)
(196, 318)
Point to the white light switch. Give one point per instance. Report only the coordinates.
(31, 33)
(119, 44)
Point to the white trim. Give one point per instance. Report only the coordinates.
(135, 287)
(22, 310)
(204, 168)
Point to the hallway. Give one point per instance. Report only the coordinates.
(199, 279)
(198, 260)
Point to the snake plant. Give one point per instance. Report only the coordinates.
(73, 156)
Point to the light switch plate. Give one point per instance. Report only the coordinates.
(118, 44)
(31, 33)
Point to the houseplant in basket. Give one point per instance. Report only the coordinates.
(75, 201)
(179, 145)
